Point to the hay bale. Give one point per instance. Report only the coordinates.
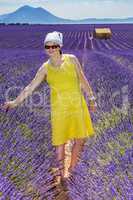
(102, 33)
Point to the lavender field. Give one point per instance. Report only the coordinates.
(105, 169)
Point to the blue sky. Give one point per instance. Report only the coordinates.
(75, 9)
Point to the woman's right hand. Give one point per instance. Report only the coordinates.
(9, 104)
(93, 106)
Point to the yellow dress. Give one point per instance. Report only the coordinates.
(70, 117)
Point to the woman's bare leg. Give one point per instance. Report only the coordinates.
(60, 155)
(76, 151)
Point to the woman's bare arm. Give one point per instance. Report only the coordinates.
(83, 80)
(39, 77)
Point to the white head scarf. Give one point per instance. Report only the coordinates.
(54, 36)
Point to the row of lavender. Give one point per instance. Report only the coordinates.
(105, 170)
(75, 37)
(25, 144)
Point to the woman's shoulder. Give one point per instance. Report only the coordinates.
(46, 63)
(71, 57)
(45, 66)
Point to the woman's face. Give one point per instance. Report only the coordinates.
(52, 48)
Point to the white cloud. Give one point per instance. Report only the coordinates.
(75, 9)
(86, 9)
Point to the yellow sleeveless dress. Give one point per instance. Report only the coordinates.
(70, 117)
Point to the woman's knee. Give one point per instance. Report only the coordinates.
(60, 147)
(79, 141)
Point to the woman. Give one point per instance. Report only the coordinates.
(70, 118)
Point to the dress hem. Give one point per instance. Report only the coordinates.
(68, 139)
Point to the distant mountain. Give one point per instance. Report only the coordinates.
(28, 14)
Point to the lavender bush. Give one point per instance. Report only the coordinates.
(26, 154)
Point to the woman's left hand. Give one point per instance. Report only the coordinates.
(93, 106)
